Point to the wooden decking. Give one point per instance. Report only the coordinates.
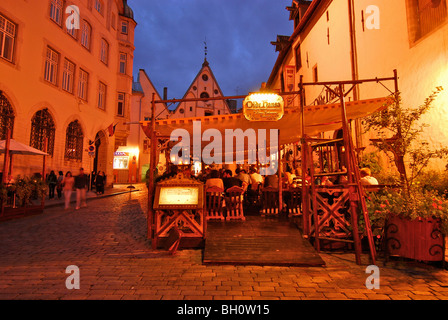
(258, 241)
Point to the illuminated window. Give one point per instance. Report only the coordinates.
(86, 34)
(83, 84)
(68, 76)
(74, 141)
(102, 91)
(51, 66)
(104, 53)
(7, 38)
(56, 11)
(123, 62)
(121, 104)
(42, 128)
(6, 117)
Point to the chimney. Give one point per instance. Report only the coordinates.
(165, 93)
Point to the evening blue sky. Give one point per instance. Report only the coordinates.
(170, 36)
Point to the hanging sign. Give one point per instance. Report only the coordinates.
(263, 107)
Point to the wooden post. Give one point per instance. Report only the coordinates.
(44, 167)
(349, 154)
(6, 161)
(303, 148)
(5, 166)
(280, 179)
(151, 182)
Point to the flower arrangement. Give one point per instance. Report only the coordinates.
(416, 204)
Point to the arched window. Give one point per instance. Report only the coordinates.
(42, 127)
(6, 117)
(86, 34)
(74, 141)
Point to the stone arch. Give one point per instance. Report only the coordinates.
(100, 159)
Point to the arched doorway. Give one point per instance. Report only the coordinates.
(100, 160)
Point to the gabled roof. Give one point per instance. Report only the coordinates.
(137, 87)
(205, 65)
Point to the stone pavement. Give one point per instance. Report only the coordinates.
(107, 242)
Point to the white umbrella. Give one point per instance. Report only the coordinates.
(16, 147)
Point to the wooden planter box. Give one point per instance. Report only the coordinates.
(419, 239)
(14, 213)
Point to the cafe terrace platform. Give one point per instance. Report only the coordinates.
(258, 241)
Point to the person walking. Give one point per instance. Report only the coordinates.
(81, 182)
(99, 183)
(59, 184)
(67, 185)
(52, 180)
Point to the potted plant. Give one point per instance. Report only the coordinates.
(412, 219)
(412, 224)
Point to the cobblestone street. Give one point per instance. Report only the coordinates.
(107, 241)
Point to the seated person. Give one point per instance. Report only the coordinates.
(243, 176)
(271, 181)
(230, 181)
(255, 178)
(366, 177)
(325, 181)
(214, 180)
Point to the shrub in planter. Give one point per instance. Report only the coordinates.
(412, 224)
(419, 201)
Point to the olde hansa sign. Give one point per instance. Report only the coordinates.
(263, 107)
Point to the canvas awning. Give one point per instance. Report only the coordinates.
(16, 147)
(320, 118)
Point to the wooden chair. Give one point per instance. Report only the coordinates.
(214, 203)
(253, 196)
(234, 203)
(269, 201)
(294, 201)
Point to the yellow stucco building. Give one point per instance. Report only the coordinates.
(66, 77)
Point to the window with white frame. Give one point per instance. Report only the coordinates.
(86, 34)
(68, 76)
(121, 104)
(123, 62)
(51, 66)
(104, 52)
(7, 38)
(83, 84)
(56, 11)
(102, 91)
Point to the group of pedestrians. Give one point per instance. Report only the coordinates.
(66, 184)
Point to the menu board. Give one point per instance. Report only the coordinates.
(178, 197)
